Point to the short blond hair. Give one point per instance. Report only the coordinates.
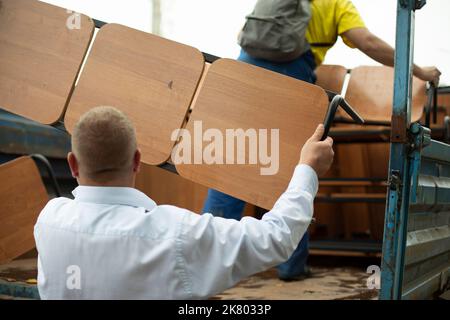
(104, 143)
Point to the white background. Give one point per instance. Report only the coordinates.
(212, 25)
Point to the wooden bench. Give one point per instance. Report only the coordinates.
(22, 197)
(40, 58)
(151, 79)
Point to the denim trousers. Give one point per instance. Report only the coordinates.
(222, 205)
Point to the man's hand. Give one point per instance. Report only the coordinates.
(430, 74)
(318, 154)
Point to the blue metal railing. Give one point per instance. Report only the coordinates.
(416, 245)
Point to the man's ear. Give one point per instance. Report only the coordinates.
(137, 161)
(73, 164)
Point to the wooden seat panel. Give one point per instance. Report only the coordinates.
(331, 77)
(371, 91)
(22, 197)
(151, 79)
(238, 95)
(40, 58)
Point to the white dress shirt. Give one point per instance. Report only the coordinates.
(116, 243)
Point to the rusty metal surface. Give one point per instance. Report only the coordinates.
(22, 136)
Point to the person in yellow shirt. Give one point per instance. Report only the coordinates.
(329, 20)
(333, 18)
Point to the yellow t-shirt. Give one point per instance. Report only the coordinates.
(330, 18)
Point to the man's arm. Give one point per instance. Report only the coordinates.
(383, 53)
(217, 253)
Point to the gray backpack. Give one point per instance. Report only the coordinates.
(275, 31)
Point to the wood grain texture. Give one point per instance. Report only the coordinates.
(22, 197)
(443, 111)
(151, 79)
(39, 58)
(371, 92)
(237, 95)
(331, 77)
(168, 188)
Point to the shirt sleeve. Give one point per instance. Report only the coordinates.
(347, 18)
(217, 252)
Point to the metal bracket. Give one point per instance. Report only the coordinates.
(419, 4)
(419, 137)
(336, 102)
(395, 182)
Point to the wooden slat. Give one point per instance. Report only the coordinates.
(22, 197)
(371, 91)
(237, 95)
(39, 58)
(331, 77)
(167, 188)
(354, 196)
(151, 79)
(353, 183)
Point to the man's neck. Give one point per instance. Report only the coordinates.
(124, 183)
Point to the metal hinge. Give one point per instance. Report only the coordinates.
(418, 4)
(395, 182)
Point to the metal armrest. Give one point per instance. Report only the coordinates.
(43, 160)
(431, 106)
(336, 102)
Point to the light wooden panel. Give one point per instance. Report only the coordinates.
(237, 95)
(39, 58)
(151, 79)
(165, 187)
(331, 77)
(371, 92)
(22, 197)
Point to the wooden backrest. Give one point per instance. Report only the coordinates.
(238, 95)
(151, 79)
(22, 197)
(331, 77)
(371, 90)
(444, 101)
(40, 58)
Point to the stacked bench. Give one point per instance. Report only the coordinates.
(163, 86)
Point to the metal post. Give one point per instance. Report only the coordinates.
(397, 202)
(156, 17)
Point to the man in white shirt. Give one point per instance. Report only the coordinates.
(114, 242)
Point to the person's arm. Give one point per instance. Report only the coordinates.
(217, 253)
(383, 53)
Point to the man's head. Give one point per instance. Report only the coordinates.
(104, 149)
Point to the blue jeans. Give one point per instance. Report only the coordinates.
(223, 205)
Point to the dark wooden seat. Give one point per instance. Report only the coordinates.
(22, 197)
(40, 58)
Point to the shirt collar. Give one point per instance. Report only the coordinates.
(114, 196)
